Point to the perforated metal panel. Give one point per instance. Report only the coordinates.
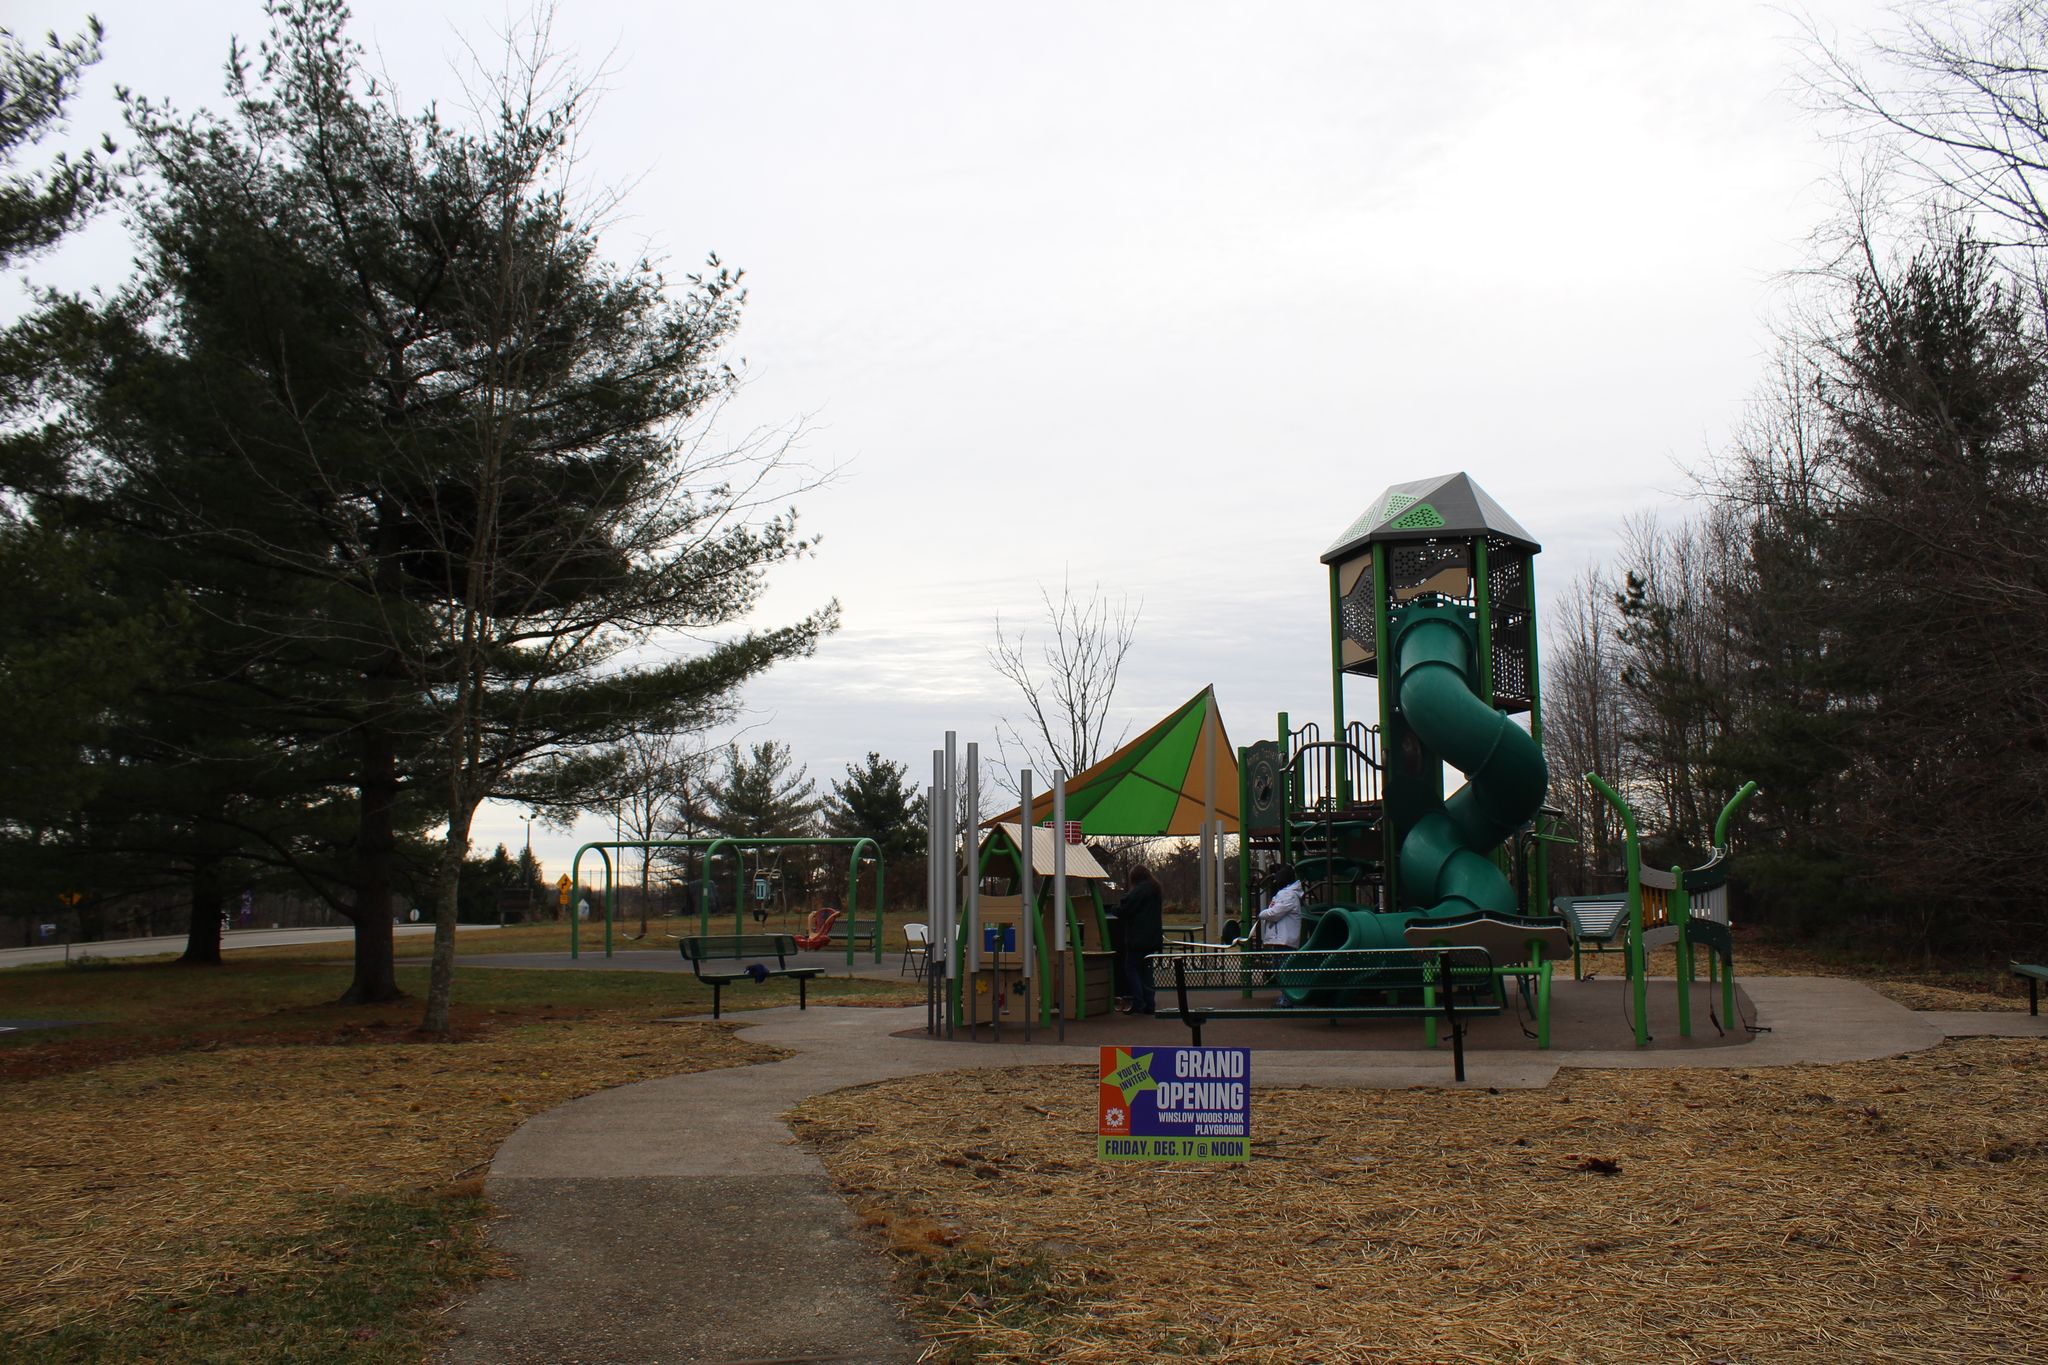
(1420, 518)
(1508, 603)
(1416, 563)
(1355, 614)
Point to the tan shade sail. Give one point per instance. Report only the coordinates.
(1080, 862)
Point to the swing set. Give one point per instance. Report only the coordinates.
(860, 852)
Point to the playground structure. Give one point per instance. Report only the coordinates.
(1177, 779)
(1686, 908)
(1432, 595)
(861, 851)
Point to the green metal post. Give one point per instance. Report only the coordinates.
(1681, 911)
(1337, 684)
(1287, 793)
(1747, 790)
(1539, 864)
(1632, 951)
(1385, 680)
(1244, 842)
(1482, 597)
(576, 885)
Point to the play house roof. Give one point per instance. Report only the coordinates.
(1153, 785)
(1080, 862)
(1446, 505)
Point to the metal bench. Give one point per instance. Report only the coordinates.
(1430, 984)
(754, 950)
(1599, 924)
(2033, 974)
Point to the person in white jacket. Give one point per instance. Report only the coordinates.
(1280, 921)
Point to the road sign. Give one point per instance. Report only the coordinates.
(70, 897)
(562, 885)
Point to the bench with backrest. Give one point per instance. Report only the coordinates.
(2033, 974)
(1432, 984)
(755, 950)
(862, 932)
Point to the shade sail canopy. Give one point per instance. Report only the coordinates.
(1154, 785)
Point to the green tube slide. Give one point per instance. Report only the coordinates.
(1443, 862)
(1443, 859)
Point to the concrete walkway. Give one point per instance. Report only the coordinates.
(679, 1221)
(175, 943)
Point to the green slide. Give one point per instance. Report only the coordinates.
(1444, 866)
(1443, 862)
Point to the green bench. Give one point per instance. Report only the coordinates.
(2034, 974)
(752, 949)
(863, 935)
(1430, 984)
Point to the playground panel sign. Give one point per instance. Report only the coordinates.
(1174, 1104)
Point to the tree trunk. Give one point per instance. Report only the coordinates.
(447, 897)
(376, 978)
(202, 935)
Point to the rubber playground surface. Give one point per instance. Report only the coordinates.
(1584, 1016)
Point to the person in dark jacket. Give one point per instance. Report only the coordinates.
(1138, 915)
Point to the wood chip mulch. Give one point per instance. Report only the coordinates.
(1887, 1210)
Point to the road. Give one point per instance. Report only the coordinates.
(234, 938)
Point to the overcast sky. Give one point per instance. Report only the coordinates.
(1155, 296)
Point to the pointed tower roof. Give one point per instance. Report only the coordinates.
(1446, 505)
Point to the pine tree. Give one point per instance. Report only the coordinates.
(759, 797)
(876, 802)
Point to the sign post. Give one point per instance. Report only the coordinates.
(1174, 1104)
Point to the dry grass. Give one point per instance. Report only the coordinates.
(1882, 1210)
(156, 1176)
(1916, 986)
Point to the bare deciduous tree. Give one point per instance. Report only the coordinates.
(1956, 100)
(1066, 675)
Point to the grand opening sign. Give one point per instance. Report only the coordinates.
(1174, 1104)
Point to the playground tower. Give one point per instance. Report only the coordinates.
(1433, 595)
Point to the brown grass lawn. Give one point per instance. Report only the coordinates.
(224, 1151)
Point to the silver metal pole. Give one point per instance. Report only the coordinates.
(973, 867)
(1029, 917)
(935, 846)
(1059, 899)
(1212, 921)
(952, 818)
(934, 981)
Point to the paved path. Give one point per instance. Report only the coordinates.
(175, 943)
(641, 1216)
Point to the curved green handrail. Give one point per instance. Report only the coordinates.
(1633, 950)
(1728, 811)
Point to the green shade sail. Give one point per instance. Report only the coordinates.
(1154, 785)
